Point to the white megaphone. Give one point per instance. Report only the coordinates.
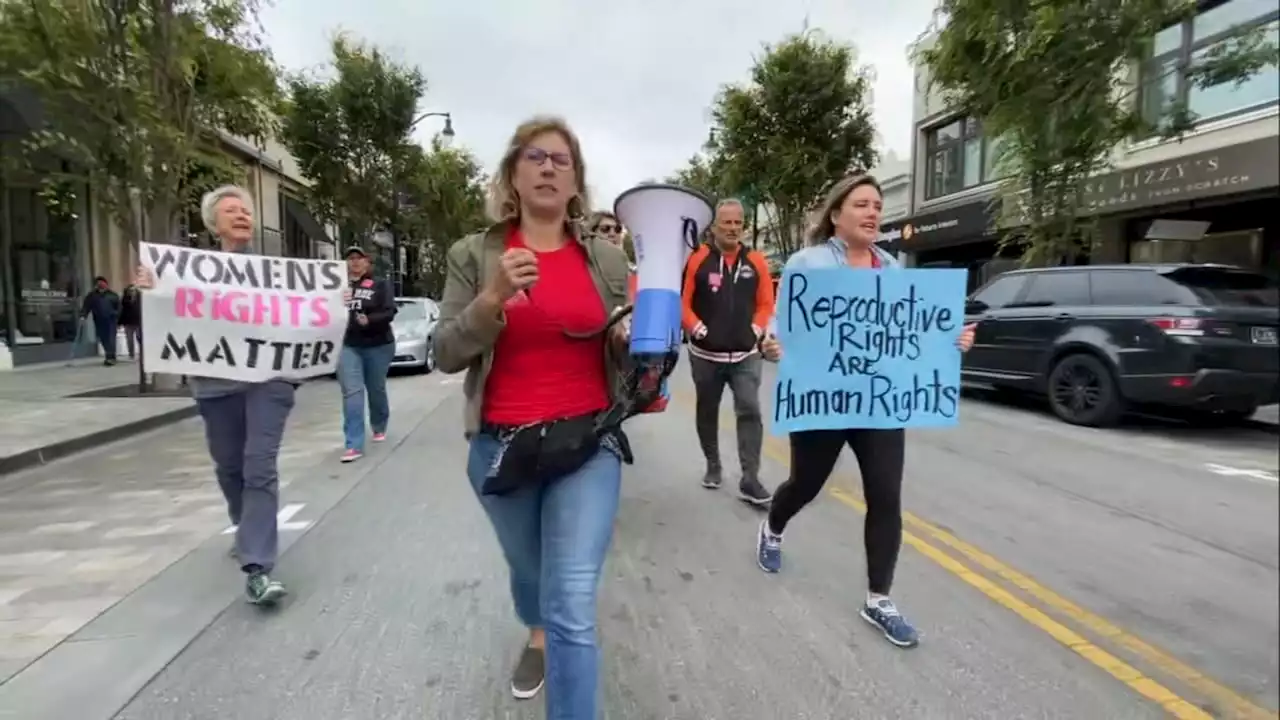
(665, 223)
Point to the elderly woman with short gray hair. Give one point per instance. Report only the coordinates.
(244, 422)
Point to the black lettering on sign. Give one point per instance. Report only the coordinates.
(869, 336)
(258, 272)
(180, 350)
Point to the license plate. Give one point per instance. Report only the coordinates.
(1264, 335)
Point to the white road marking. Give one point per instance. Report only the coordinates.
(452, 381)
(1229, 471)
(283, 519)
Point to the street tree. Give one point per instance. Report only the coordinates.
(801, 124)
(444, 195)
(700, 174)
(1050, 82)
(349, 131)
(134, 97)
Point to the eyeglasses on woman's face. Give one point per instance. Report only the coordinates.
(538, 156)
(608, 228)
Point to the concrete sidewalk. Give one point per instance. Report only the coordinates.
(48, 417)
(1269, 415)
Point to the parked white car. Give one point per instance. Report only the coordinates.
(414, 326)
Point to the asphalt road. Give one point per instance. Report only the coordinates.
(1054, 573)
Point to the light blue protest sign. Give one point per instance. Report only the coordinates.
(868, 348)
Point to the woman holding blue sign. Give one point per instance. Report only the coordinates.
(846, 236)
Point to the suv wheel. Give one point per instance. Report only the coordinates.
(1082, 391)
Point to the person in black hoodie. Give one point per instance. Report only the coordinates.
(367, 351)
(104, 305)
(131, 319)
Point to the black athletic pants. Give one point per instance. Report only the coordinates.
(880, 455)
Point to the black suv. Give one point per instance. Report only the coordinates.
(1096, 339)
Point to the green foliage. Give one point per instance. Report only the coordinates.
(349, 132)
(800, 125)
(1052, 80)
(699, 175)
(135, 93)
(445, 193)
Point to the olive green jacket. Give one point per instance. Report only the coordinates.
(465, 332)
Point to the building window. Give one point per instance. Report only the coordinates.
(42, 254)
(959, 156)
(1163, 86)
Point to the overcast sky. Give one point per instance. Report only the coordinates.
(634, 79)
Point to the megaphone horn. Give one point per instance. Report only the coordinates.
(665, 222)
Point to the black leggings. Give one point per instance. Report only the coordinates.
(880, 456)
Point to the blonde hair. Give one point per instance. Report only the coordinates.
(504, 203)
(823, 227)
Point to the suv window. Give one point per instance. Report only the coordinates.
(1217, 286)
(1135, 287)
(1001, 291)
(1057, 288)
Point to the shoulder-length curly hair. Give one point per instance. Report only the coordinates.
(823, 225)
(503, 203)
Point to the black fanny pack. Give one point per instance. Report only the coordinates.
(543, 453)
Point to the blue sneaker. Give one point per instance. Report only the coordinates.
(768, 549)
(896, 629)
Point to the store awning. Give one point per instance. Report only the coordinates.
(306, 220)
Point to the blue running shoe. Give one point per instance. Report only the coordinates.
(896, 629)
(768, 549)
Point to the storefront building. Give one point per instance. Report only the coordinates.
(52, 245)
(45, 266)
(1209, 196)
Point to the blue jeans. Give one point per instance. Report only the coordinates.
(555, 539)
(363, 371)
(244, 430)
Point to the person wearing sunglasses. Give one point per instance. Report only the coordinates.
(606, 225)
(523, 305)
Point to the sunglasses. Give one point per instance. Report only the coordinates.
(608, 229)
(538, 156)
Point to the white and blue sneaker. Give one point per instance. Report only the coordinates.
(885, 616)
(768, 548)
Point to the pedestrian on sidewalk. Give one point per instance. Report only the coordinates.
(367, 351)
(131, 319)
(846, 236)
(728, 300)
(243, 422)
(104, 305)
(512, 297)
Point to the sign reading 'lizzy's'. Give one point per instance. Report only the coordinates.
(241, 317)
(868, 349)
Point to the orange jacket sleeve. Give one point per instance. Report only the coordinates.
(764, 290)
(688, 318)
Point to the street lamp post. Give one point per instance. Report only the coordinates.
(446, 135)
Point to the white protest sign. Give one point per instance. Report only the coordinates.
(243, 317)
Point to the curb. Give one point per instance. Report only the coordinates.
(49, 453)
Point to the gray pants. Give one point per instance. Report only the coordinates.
(743, 378)
(244, 430)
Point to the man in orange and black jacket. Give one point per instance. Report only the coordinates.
(728, 299)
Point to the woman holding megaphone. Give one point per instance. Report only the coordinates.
(846, 235)
(522, 308)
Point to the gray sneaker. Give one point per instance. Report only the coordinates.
(530, 673)
(260, 589)
(712, 479)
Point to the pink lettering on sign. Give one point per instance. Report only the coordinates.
(252, 307)
(188, 302)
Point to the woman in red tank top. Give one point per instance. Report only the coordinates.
(521, 304)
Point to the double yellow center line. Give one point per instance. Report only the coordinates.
(915, 532)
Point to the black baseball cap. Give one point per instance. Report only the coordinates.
(355, 250)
